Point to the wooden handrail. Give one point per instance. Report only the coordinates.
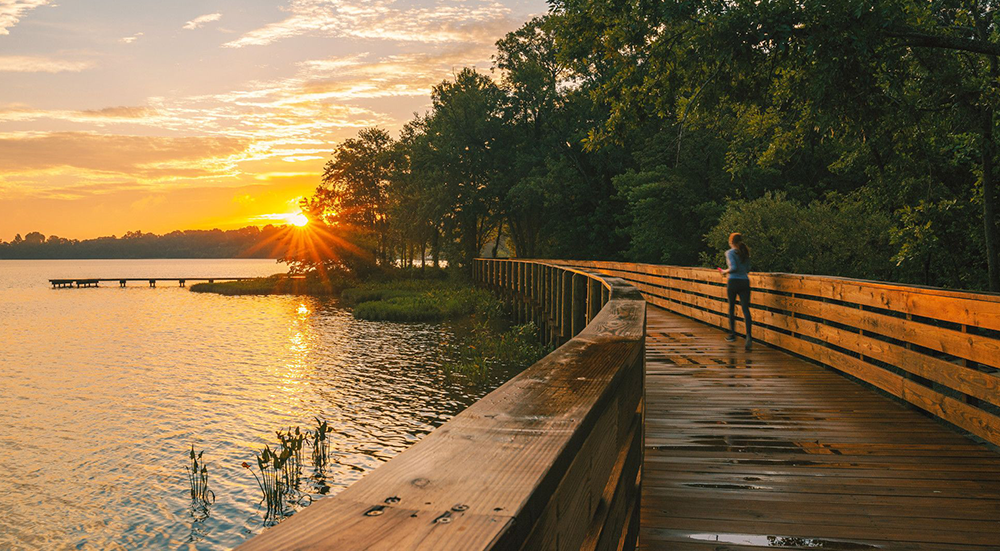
(550, 460)
(937, 349)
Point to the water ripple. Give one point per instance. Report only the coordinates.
(104, 390)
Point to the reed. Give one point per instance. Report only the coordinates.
(320, 446)
(198, 478)
(271, 482)
(291, 450)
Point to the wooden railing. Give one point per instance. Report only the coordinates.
(939, 350)
(550, 460)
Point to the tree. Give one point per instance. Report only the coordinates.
(462, 137)
(353, 193)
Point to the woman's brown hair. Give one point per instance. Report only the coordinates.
(736, 241)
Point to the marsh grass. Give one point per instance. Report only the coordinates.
(198, 478)
(417, 301)
(278, 284)
(486, 349)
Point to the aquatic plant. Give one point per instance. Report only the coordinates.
(198, 478)
(271, 481)
(280, 472)
(291, 453)
(321, 446)
(485, 349)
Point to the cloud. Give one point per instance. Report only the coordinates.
(148, 202)
(100, 117)
(200, 21)
(121, 113)
(40, 64)
(130, 39)
(457, 21)
(150, 157)
(11, 11)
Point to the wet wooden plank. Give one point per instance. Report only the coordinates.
(765, 450)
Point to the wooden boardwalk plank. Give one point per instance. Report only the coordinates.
(763, 450)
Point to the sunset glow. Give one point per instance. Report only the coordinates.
(156, 117)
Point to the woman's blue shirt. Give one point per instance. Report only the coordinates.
(738, 269)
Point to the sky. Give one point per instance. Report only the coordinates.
(153, 115)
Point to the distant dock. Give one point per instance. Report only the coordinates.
(123, 281)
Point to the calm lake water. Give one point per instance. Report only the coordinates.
(103, 391)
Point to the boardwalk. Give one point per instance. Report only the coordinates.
(745, 451)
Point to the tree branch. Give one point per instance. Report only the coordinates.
(923, 40)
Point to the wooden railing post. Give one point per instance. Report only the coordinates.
(553, 305)
(519, 292)
(525, 281)
(579, 304)
(530, 291)
(537, 301)
(525, 292)
(593, 298)
(566, 308)
(506, 285)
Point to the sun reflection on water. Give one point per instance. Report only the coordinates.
(103, 423)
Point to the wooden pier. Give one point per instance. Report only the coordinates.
(123, 281)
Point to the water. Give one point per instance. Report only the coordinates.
(103, 391)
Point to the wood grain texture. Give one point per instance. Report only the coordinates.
(937, 349)
(746, 451)
(543, 462)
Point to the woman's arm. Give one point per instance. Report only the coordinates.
(729, 263)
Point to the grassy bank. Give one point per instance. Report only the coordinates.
(416, 300)
(278, 284)
(487, 345)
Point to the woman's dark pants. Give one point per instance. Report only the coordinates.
(739, 288)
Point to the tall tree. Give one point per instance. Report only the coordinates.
(355, 185)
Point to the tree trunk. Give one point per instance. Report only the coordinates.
(436, 248)
(989, 200)
(496, 246)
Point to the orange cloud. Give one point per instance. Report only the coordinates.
(201, 21)
(40, 64)
(384, 20)
(11, 11)
(144, 156)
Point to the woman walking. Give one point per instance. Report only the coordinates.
(738, 285)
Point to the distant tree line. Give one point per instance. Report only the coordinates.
(852, 138)
(250, 242)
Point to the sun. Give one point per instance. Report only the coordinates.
(299, 220)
